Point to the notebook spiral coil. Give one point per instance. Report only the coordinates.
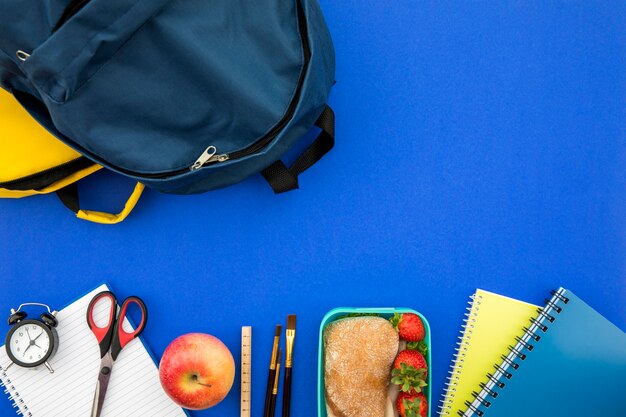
(13, 395)
(517, 354)
(445, 406)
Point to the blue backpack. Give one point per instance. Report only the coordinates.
(182, 96)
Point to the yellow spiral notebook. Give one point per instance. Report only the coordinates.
(491, 325)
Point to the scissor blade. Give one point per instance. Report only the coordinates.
(95, 411)
(104, 375)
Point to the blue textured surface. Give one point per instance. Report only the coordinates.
(479, 145)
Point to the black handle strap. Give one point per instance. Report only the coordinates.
(283, 179)
(69, 197)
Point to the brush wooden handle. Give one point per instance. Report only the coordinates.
(272, 407)
(268, 393)
(287, 393)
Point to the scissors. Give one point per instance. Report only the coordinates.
(112, 338)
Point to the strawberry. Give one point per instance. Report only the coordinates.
(412, 358)
(409, 326)
(412, 404)
(410, 371)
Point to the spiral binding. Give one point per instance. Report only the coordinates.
(445, 406)
(13, 395)
(517, 354)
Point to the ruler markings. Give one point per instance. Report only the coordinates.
(246, 370)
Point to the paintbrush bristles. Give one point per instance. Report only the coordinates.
(291, 322)
(279, 330)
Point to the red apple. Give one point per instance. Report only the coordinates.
(197, 371)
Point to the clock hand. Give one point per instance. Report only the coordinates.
(26, 349)
(38, 336)
(28, 334)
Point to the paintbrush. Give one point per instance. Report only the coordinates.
(291, 337)
(275, 389)
(272, 373)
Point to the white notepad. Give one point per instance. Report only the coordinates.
(134, 389)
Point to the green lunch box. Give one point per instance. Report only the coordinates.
(387, 313)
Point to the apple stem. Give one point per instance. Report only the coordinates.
(195, 379)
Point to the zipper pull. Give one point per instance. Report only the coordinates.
(22, 56)
(209, 155)
(204, 158)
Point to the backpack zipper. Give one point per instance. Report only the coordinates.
(45, 178)
(209, 155)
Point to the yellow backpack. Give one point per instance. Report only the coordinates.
(32, 162)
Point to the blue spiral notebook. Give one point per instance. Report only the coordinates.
(570, 362)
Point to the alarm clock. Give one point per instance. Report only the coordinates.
(32, 342)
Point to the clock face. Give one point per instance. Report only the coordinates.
(30, 343)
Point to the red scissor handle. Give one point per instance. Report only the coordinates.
(120, 336)
(103, 334)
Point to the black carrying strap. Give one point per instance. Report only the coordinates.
(283, 179)
(69, 197)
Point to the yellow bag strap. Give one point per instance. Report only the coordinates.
(69, 197)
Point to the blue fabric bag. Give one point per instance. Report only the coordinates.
(182, 96)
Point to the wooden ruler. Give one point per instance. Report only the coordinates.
(246, 370)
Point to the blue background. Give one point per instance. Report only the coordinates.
(480, 144)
